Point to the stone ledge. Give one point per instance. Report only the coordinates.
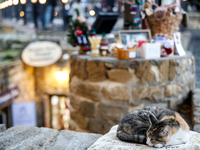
(196, 110)
(23, 138)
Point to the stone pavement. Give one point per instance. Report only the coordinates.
(194, 47)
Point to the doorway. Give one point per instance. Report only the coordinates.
(59, 115)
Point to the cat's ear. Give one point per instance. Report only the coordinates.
(166, 131)
(153, 119)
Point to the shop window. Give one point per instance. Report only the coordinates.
(59, 115)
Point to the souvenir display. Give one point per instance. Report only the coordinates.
(78, 34)
(95, 41)
(164, 21)
(104, 45)
(162, 39)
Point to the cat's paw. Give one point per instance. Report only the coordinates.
(158, 145)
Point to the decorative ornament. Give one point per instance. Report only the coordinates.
(134, 9)
(160, 13)
(141, 2)
(137, 22)
(79, 32)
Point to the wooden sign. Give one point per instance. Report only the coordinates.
(8, 96)
(40, 54)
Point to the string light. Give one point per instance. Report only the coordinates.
(42, 1)
(5, 4)
(33, 1)
(22, 14)
(92, 12)
(9, 2)
(64, 1)
(15, 2)
(23, 1)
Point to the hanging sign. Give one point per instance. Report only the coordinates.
(40, 54)
(24, 114)
(8, 96)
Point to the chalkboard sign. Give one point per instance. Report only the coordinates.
(40, 54)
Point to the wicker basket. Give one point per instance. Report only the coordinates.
(126, 54)
(168, 26)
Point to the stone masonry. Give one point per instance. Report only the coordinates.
(33, 138)
(196, 110)
(103, 90)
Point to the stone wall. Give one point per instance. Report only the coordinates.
(103, 90)
(194, 21)
(21, 75)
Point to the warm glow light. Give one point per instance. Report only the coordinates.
(92, 12)
(15, 2)
(62, 75)
(9, 2)
(23, 1)
(33, 1)
(42, 1)
(55, 13)
(21, 14)
(5, 4)
(64, 1)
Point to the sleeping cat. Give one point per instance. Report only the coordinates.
(154, 126)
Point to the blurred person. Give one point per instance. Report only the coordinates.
(77, 6)
(51, 4)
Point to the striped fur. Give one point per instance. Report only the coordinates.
(155, 126)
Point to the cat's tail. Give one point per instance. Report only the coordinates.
(131, 138)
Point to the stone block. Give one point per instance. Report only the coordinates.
(87, 109)
(15, 135)
(96, 71)
(116, 91)
(153, 93)
(81, 69)
(33, 138)
(2, 128)
(70, 140)
(110, 113)
(79, 119)
(156, 93)
(139, 93)
(144, 72)
(164, 70)
(174, 103)
(173, 90)
(172, 70)
(99, 126)
(76, 100)
(196, 127)
(119, 75)
(86, 89)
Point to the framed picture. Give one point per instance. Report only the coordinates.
(170, 2)
(130, 36)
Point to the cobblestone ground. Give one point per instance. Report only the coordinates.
(195, 49)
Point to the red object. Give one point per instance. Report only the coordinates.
(86, 48)
(79, 32)
(168, 51)
(141, 42)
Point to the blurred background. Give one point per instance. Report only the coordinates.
(45, 90)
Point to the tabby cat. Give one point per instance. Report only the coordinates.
(155, 126)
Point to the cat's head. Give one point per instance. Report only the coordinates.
(159, 132)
